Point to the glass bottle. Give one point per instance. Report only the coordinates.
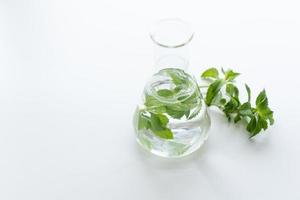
(171, 120)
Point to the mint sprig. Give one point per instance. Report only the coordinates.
(221, 92)
(257, 117)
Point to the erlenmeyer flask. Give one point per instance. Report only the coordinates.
(171, 120)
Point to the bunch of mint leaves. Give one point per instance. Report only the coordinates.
(257, 117)
(221, 92)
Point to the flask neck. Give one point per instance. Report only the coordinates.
(171, 38)
(171, 58)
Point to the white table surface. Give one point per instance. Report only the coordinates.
(71, 73)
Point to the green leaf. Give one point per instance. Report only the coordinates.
(245, 109)
(165, 93)
(159, 126)
(232, 90)
(261, 124)
(231, 106)
(257, 129)
(251, 125)
(248, 92)
(213, 90)
(262, 107)
(154, 105)
(177, 76)
(177, 114)
(156, 123)
(163, 119)
(143, 121)
(264, 112)
(262, 99)
(264, 123)
(165, 133)
(151, 101)
(230, 75)
(210, 73)
(157, 110)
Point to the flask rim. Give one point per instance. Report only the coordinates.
(184, 35)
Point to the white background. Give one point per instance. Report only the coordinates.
(71, 73)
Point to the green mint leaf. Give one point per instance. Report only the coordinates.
(261, 100)
(213, 90)
(248, 92)
(159, 126)
(231, 106)
(157, 110)
(151, 101)
(154, 105)
(156, 123)
(165, 93)
(210, 73)
(263, 123)
(177, 76)
(264, 112)
(256, 130)
(177, 114)
(183, 108)
(251, 125)
(230, 75)
(165, 133)
(245, 109)
(232, 90)
(262, 107)
(163, 119)
(260, 124)
(143, 121)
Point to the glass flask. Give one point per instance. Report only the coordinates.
(172, 120)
